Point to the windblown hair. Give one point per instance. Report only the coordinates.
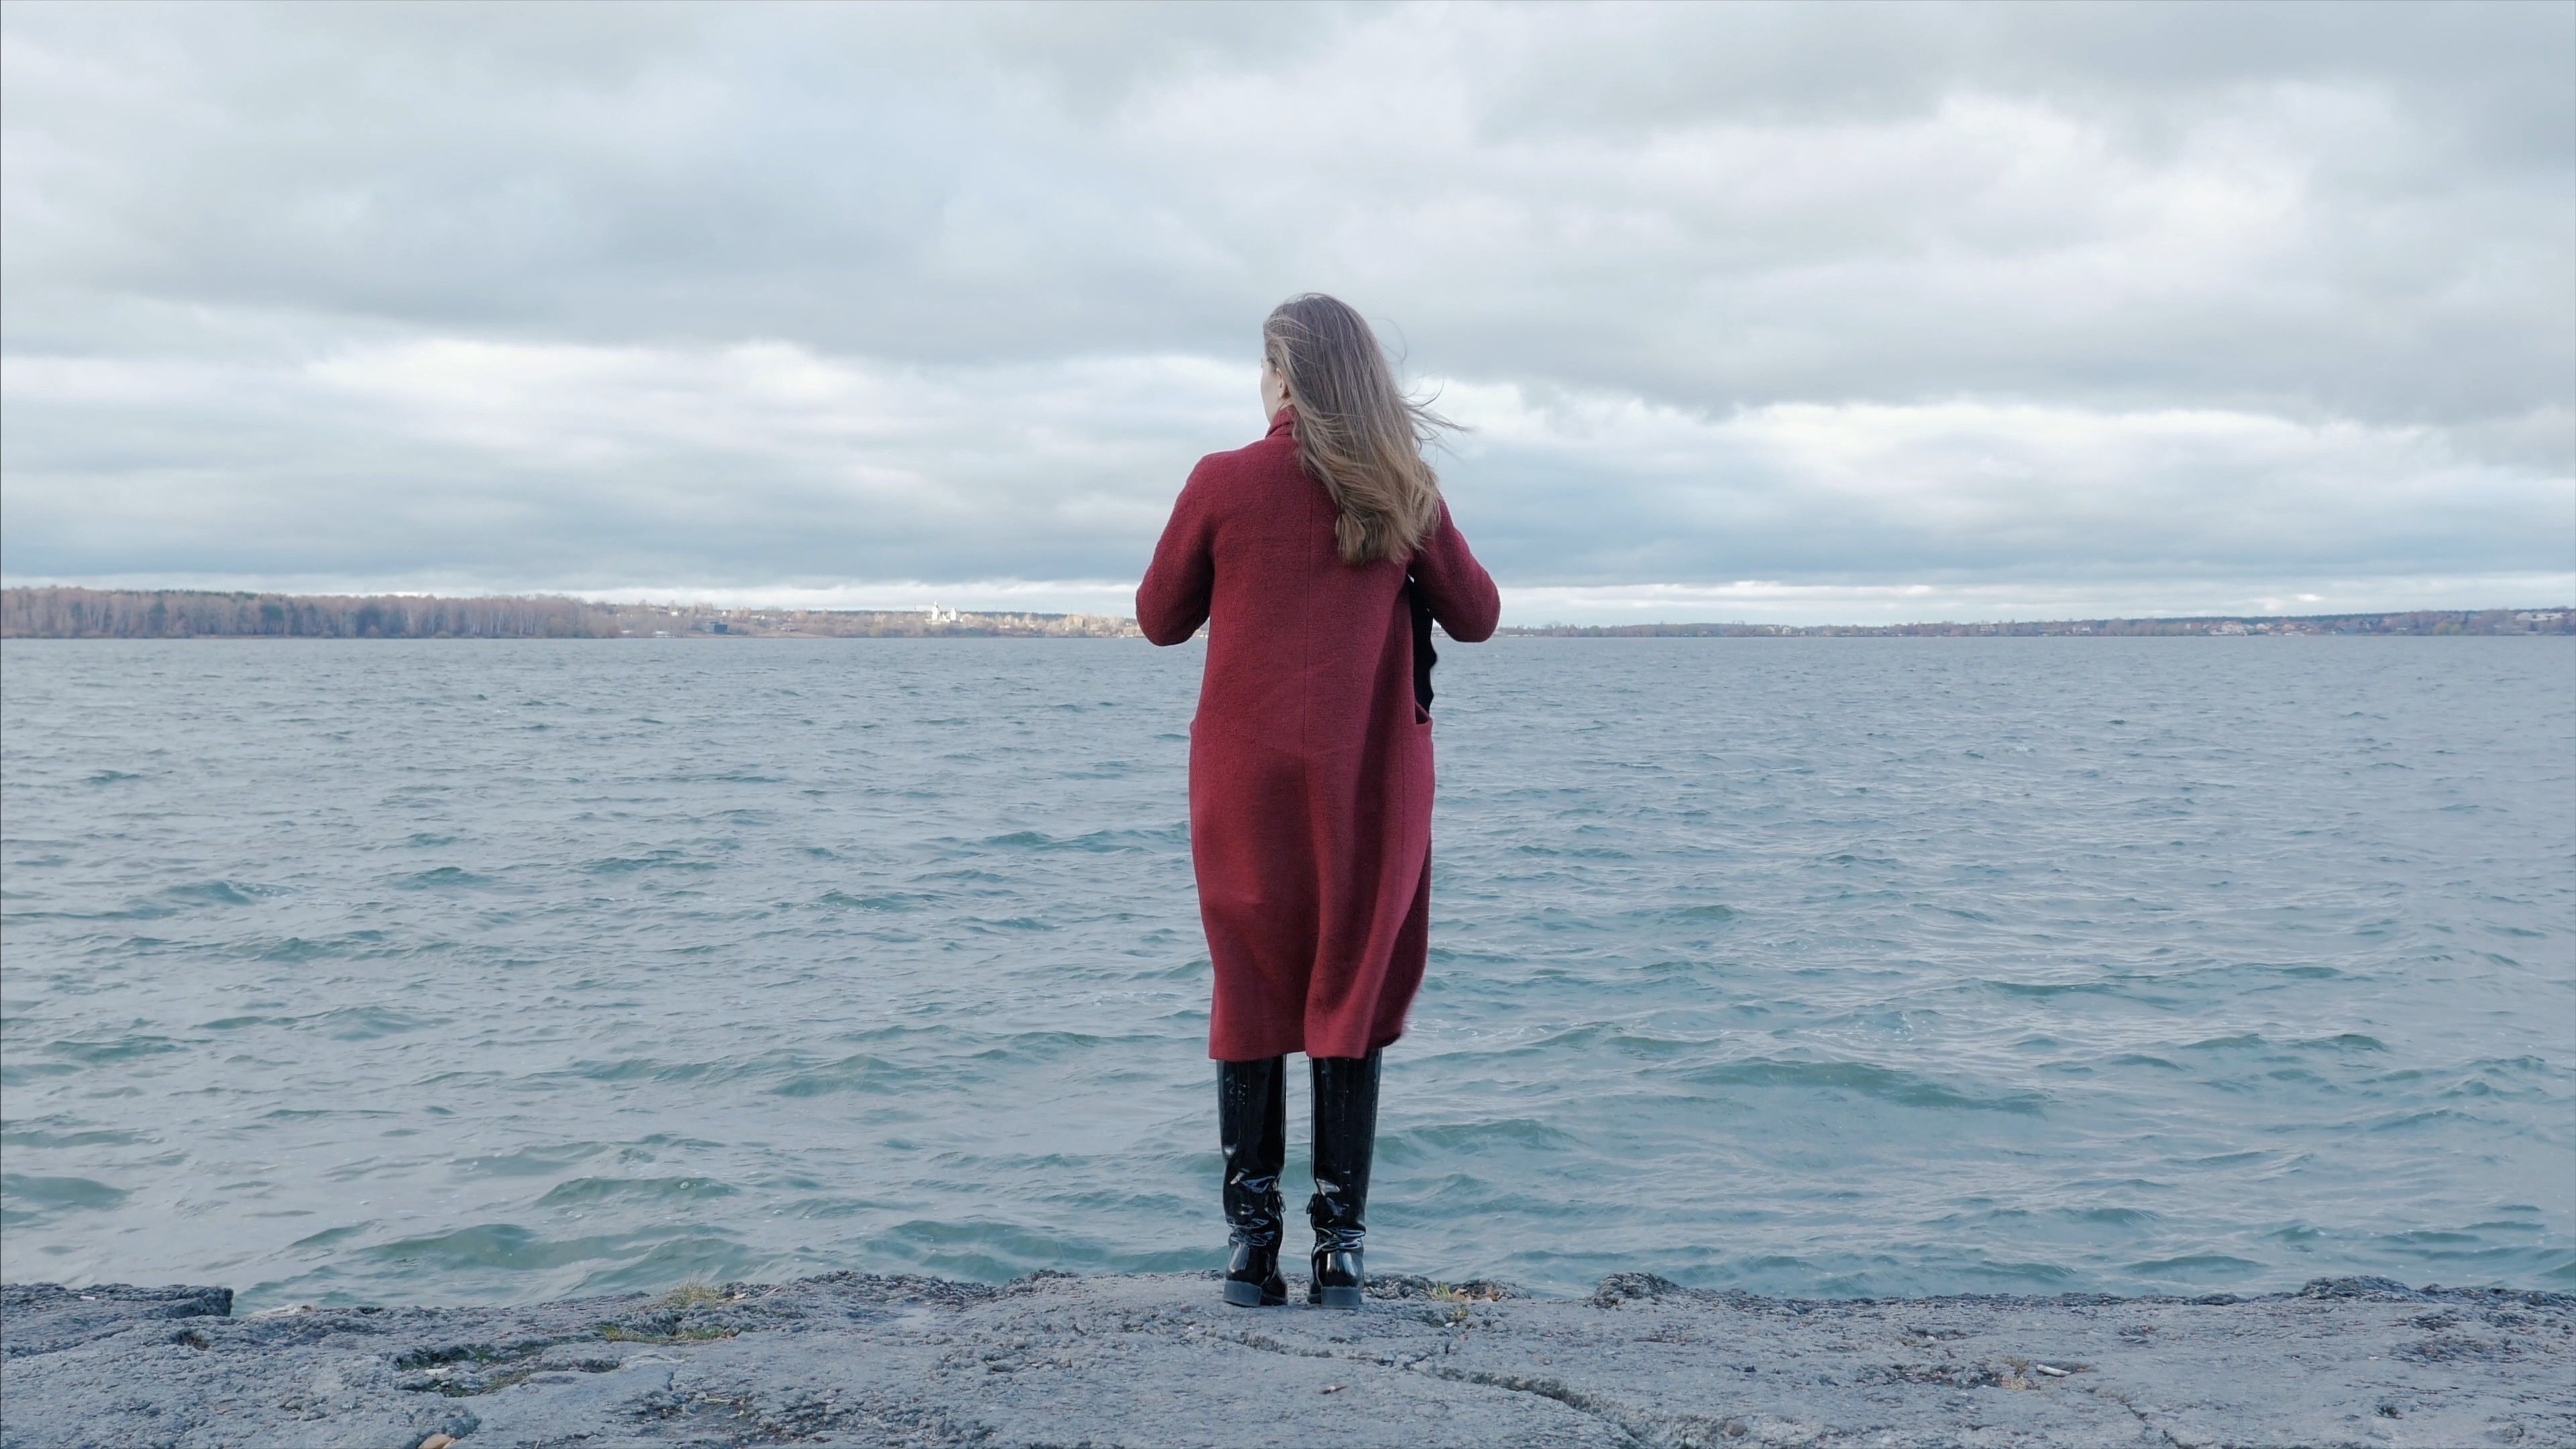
(1356, 434)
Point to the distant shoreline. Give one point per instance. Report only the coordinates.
(40, 612)
(76, 613)
(2412, 621)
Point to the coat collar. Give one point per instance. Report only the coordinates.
(1282, 421)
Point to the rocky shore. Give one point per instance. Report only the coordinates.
(1157, 1360)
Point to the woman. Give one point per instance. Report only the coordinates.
(1319, 557)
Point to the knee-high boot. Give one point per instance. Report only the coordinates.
(1345, 1138)
(1252, 1124)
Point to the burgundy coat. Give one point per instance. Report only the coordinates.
(1310, 761)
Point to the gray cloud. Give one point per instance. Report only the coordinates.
(801, 297)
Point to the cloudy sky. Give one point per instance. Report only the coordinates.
(1799, 313)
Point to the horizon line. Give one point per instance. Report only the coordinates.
(2539, 612)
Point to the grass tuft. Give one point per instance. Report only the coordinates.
(694, 1292)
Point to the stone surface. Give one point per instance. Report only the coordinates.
(1158, 1360)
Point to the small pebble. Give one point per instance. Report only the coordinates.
(1334, 1388)
(2055, 1373)
(437, 1441)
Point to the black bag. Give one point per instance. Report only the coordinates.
(1424, 656)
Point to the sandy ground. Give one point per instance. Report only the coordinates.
(1158, 1360)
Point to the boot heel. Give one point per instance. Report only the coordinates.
(1341, 1297)
(1243, 1295)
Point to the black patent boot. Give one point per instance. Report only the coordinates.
(1252, 1123)
(1345, 1136)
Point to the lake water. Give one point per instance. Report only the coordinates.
(455, 971)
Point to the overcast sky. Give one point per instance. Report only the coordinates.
(1808, 313)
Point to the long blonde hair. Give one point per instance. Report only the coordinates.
(1356, 434)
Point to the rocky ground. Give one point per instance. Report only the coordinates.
(1158, 1360)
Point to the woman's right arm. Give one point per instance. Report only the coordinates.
(1172, 602)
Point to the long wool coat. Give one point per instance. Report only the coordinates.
(1310, 756)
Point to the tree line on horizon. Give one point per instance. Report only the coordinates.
(67, 612)
(78, 613)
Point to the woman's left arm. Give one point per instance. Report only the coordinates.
(1456, 587)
